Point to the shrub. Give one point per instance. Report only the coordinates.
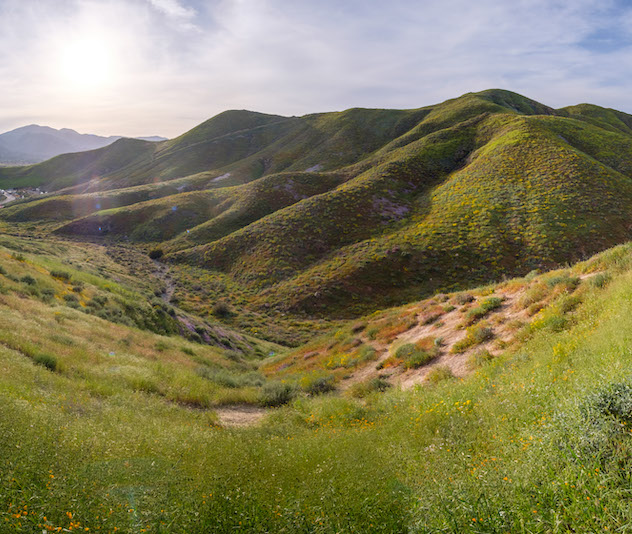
(47, 294)
(489, 304)
(463, 298)
(481, 334)
(479, 359)
(3, 271)
(551, 321)
(600, 280)
(46, 360)
(360, 390)
(156, 253)
(29, 280)
(61, 275)
(372, 333)
(568, 303)
(412, 356)
(317, 384)
(276, 394)
(358, 327)
(612, 402)
(221, 309)
(439, 374)
(535, 293)
(431, 317)
(569, 282)
(475, 335)
(492, 303)
(607, 418)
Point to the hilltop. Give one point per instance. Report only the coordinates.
(438, 198)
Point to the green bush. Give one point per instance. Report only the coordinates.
(46, 360)
(439, 374)
(61, 275)
(317, 384)
(156, 253)
(569, 282)
(221, 309)
(276, 394)
(360, 390)
(479, 359)
(29, 280)
(413, 356)
(78, 287)
(475, 335)
(488, 305)
(600, 280)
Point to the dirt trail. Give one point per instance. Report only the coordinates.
(240, 416)
(9, 198)
(162, 273)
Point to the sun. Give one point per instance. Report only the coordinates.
(86, 63)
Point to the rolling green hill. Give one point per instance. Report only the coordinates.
(309, 324)
(337, 214)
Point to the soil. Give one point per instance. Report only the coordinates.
(240, 416)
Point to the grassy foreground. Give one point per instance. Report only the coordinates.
(537, 440)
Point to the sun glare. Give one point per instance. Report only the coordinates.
(86, 63)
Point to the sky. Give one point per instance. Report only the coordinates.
(160, 67)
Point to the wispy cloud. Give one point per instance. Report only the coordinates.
(176, 11)
(178, 62)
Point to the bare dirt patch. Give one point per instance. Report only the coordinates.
(240, 416)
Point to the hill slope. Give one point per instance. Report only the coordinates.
(537, 432)
(442, 197)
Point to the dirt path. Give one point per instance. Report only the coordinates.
(162, 273)
(9, 198)
(240, 416)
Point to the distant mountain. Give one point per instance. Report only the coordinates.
(33, 144)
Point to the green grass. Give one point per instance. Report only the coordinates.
(110, 406)
(502, 183)
(537, 434)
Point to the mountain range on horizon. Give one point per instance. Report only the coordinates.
(34, 143)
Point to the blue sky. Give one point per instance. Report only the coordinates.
(143, 67)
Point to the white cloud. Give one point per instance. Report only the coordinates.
(173, 8)
(176, 11)
(179, 63)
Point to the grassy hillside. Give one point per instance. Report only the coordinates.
(115, 429)
(503, 194)
(396, 204)
(240, 145)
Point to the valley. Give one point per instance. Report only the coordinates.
(361, 321)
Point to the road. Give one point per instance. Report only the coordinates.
(10, 198)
